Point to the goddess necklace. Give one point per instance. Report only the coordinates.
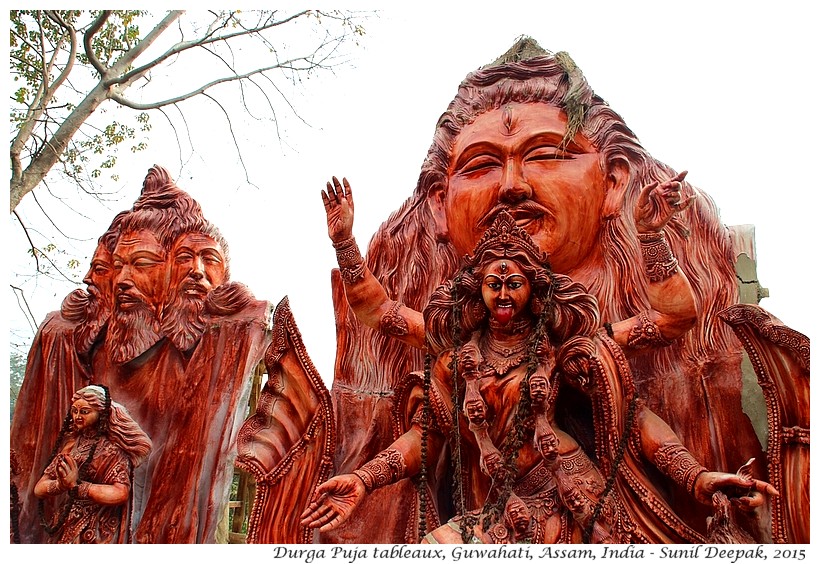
(502, 357)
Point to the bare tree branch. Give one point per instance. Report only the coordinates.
(233, 135)
(56, 131)
(201, 90)
(32, 246)
(128, 58)
(205, 40)
(18, 292)
(88, 37)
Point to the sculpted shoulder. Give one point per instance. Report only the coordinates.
(235, 300)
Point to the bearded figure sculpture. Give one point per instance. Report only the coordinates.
(174, 340)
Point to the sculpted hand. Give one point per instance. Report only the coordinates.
(338, 200)
(333, 502)
(658, 203)
(746, 493)
(68, 473)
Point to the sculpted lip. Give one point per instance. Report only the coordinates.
(127, 300)
(524, 213)
(193, 287)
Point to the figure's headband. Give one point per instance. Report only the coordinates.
(504, 238)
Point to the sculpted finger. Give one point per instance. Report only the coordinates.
(338, 188)
(317, 516)
(348, 190)
(765, 487)
(686, 203)
(750, 502)
(325, 199)
(680, 176)
(333, 191)
(335, 522)
(643, 197)
(313, 522)
(309, 509)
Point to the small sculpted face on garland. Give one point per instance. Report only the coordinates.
(539, 388)
(505, 290)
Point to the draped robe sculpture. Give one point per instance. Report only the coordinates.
(176, 342)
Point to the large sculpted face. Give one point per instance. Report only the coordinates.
(198, 265)
(140, 271)
(505, 289)
(512, 158)
(140, 287)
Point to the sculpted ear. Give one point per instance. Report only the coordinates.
(617, 180)
(437, 210)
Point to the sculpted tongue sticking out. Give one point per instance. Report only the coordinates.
(505, 290)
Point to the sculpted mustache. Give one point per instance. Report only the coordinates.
(529, 206)
(132, 294)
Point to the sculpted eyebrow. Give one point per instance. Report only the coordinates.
(149, 254)
(554, 140)
(473, 150)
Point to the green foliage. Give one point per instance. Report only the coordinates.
(17, 370)
(40, 50)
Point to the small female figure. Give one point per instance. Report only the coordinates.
(90, 475)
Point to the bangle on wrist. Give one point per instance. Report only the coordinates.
(351, 263)
(679, 464)
(387, 467)
(54, 488)
(658, 259)
(392, 323)
(81, 490)
(646, 333)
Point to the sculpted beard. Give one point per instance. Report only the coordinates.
(132, 332)
(96, 315)
(183, 322)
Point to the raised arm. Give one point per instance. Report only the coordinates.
(672, 304)
(365, 294)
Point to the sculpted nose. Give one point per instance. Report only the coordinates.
(197, 268)
(514, 188)
(124, 283)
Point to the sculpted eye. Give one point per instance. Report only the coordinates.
(479, 164)
(184, 257)
(548, 153)
(515, 284)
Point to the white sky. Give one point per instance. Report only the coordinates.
(724, 90)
